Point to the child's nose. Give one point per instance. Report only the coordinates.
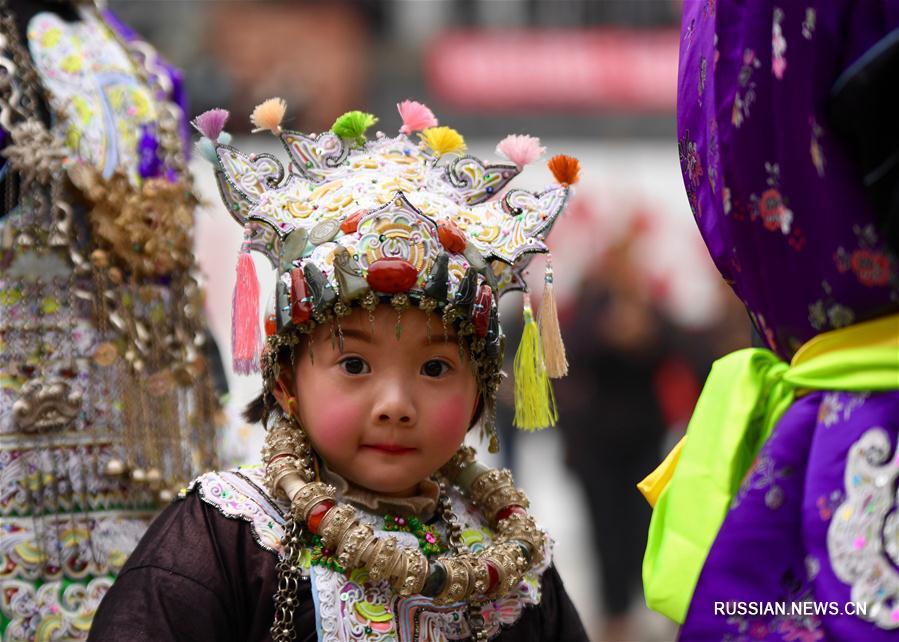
(395, 406)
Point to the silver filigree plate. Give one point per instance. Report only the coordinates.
(863, 537)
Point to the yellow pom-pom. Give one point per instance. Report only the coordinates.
(268, 115)
(443, 140)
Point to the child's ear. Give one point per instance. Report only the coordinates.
(284, 394)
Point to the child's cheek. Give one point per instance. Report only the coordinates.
(337, 424)
(452, 415)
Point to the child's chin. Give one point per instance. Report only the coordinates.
(388, 483)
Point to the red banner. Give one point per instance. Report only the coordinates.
(557, 70)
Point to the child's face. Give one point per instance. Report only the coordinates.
(386, 413)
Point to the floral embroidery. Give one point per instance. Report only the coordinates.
(833, 409)
(826, 505)
(764, 476)
(691, 167)
(746, 95)
(714, 159)
(778, 45)
(239, 495)
(703, 70)
(771, 207)
(688, 35)
(829, 410)
(808, 25)
(871, 266)
(814, 148)
(58, 610)
(863, 536)
(92, 81)
(775, 215)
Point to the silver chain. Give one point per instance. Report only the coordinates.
(476, 621)
(288, 568)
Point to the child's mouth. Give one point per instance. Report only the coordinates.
(390, 449)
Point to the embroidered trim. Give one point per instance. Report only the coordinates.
(238, 494)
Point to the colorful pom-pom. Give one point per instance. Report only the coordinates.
(211, 123)
(416, 116)
(443, 140)
(206, 150)
(565, 169)
(268, 115)
(352, 126)
(520, 149)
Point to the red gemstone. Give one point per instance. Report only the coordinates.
(317, 514)
(392, 275)
(483, 304)
(493, 572)
(271, 325)
(508, 511)
(301, 305)
(451, 237)
(350, 223)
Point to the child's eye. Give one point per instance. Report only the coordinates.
(435, 368)
(355, 366)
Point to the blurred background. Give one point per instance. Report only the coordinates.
(643, 311)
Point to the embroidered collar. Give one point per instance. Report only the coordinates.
(423, 505)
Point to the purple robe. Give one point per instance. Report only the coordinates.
(783, 211)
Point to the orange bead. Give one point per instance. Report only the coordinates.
(271, 325)
(317, 514)
(451, 237)
(350, 223)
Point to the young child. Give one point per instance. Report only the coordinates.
(368, 519)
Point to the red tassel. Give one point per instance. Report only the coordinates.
(246, 340)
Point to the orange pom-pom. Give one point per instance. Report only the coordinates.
(268, 115)
(565, 169)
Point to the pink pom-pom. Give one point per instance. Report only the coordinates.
(520, 149)
(211, 123)
(246, 341)
(416, 116)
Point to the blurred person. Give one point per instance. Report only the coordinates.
(613, 420)
(367, 519)
(775, 518)
(107, 404)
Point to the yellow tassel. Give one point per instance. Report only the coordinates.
(268, 115)
(535, 404)
(443, 140)
(550, 335)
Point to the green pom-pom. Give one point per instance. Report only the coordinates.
(352, 126)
